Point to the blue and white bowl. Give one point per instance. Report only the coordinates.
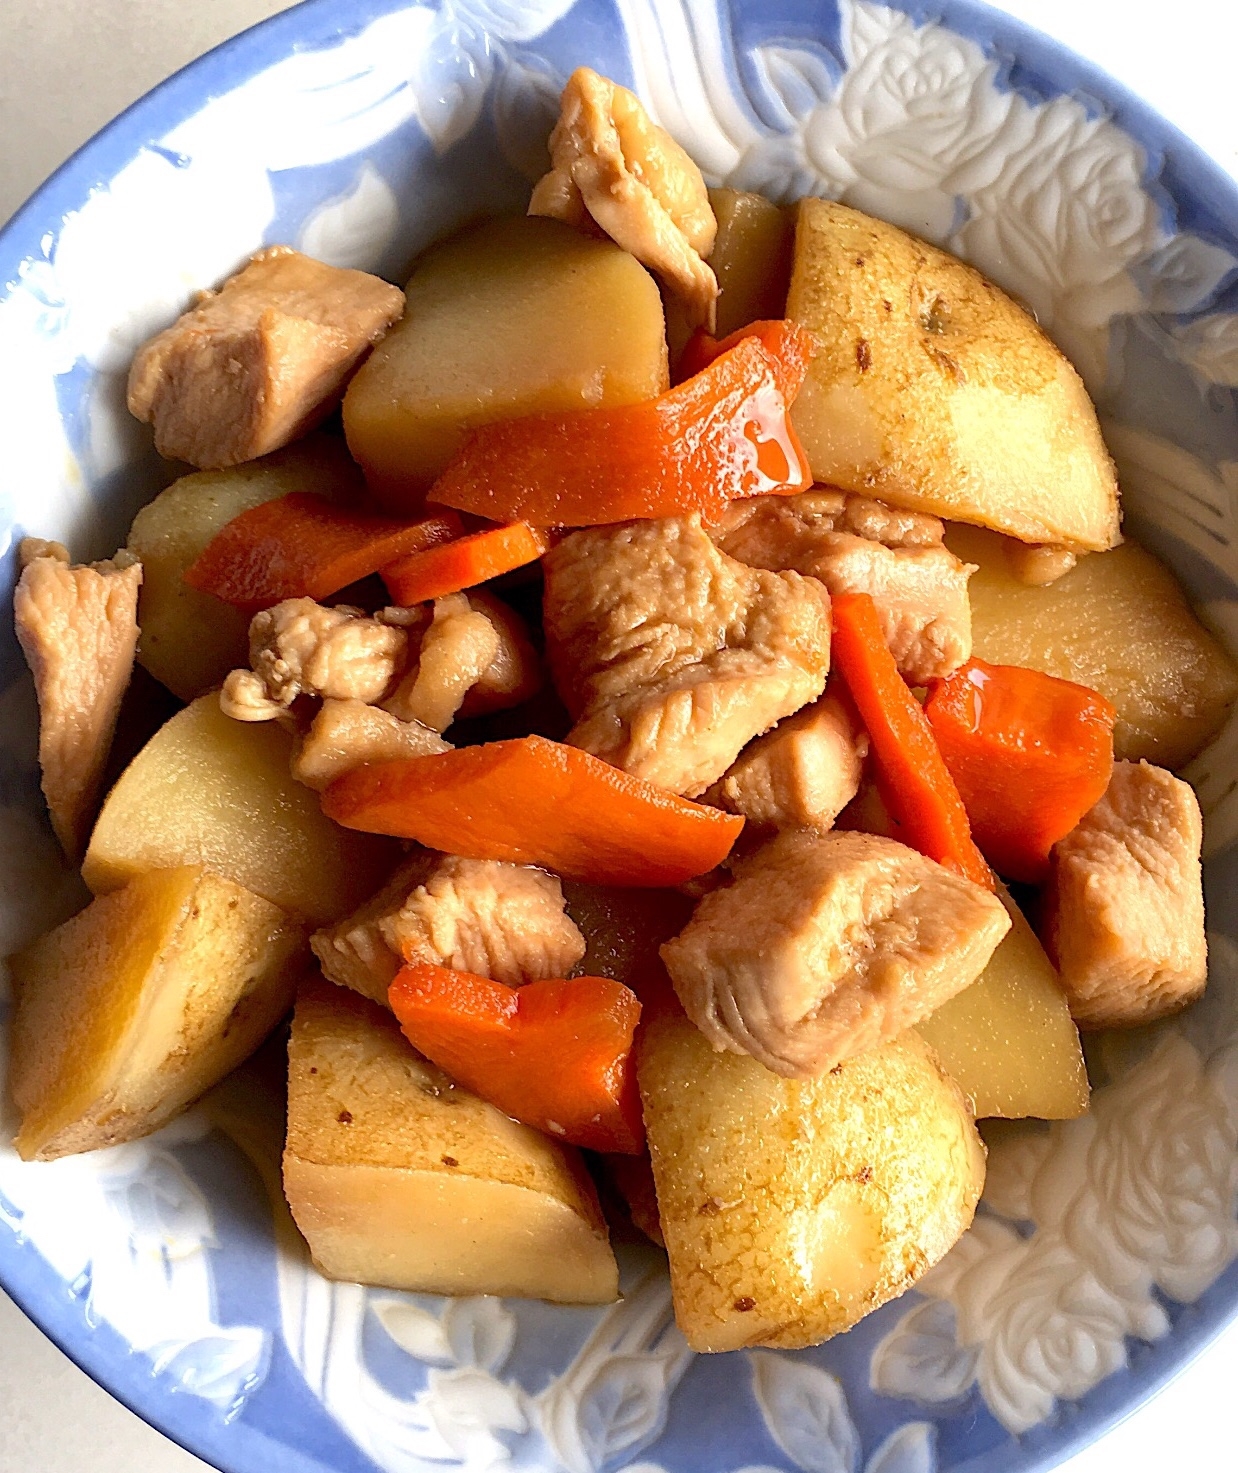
(1103, 1256)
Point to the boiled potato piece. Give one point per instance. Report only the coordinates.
(793, 1207)
(189, 640)
(134, 1007)
(1008, 1040)
(514, 317)
(209, 790)
(397, 1176)
(751, 257)
(1117, 622)
(932, 390)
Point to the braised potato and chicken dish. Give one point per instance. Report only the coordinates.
(612, 735)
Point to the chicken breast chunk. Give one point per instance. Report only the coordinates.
(423, 665)
(348, 734)
(300, 647)
(856, 545)
(610, 164)
(1124, 907)
(827, 945)
(506, 921)
(800, 775)
(455, 653)
(256, 364)
(671, 656)
(78, 629)
(515, 675)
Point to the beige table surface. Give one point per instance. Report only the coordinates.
(65, 69)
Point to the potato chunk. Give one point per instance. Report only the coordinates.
(751, 258)
(1124, 908)
(514, 317)
(791, 1208)
(189, 640)
(932, 390)
(1008, 1040)
(399, 1177)
(827, 945)
(208, 790)
(135, 1006)
(251, 367)
(1117, 623)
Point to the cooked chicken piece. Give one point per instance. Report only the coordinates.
(671, 656)
(1124, 907)
(347, 734)
(800, 775)
(456, 651)
(856, 545)
(78, 629)
(609, 159)
(827, 945)
(256, 364)
(515, 674)
(353, 952)
(301, 648)
(1038, 565)
(421, 664)
(505, 921)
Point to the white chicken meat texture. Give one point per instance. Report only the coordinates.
(800, 775)
(856, 545)
(671, 656)
(827, 945)
(499, 920)
(78, 630)
(1124, 908)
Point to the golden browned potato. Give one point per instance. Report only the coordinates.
(189, 640)
(514, 317)
(1117, 622)
(793, 1207)
(1008, 1040)
(208, 790)
(135, 1006)
(932, 390)
(397, 1176)
(751, 257)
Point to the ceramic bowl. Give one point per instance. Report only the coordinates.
(360, 130)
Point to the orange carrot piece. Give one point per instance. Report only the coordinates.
(1030, 755)
(702, 348)
(914, 782)
(555, 1055)
(534, 801)
(463, 563)
(304, 546)
(723, 434)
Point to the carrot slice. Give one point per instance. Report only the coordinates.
(303, 546)
(914, 781)
(463, 563)
(1030, 755)
(555, 1054)
(534, 801)
(702, 348)
(722, 434)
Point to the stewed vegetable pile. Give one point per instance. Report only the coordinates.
(619, 676)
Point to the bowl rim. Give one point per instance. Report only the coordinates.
(319, 23)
